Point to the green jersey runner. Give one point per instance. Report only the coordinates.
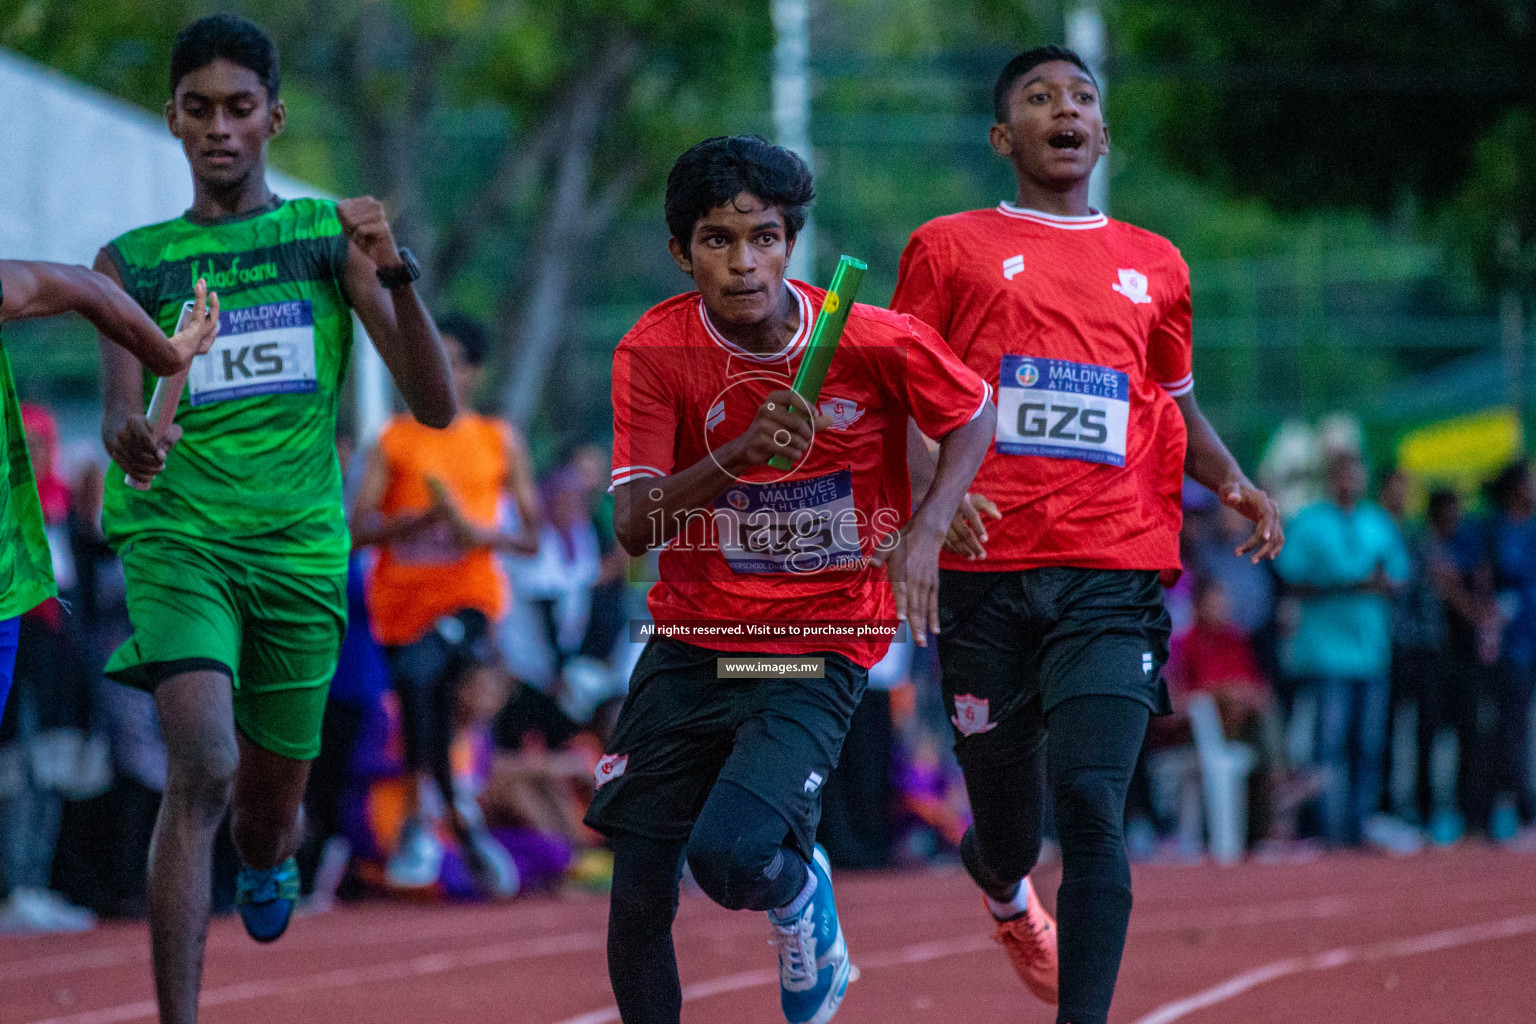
(26, 568)
(236, 557)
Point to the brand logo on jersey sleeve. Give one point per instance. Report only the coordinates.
(610, 767)
(1013, 266)
(716, 415)
(970, 715)
(843, 412)
(813, 783)
(1133, 285)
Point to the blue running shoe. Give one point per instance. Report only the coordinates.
(266, 899)
(813, 958)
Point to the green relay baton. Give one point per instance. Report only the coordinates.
(824, 337)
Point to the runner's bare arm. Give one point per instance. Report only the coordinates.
(649, 512)
(967, 533)
(395, 319)
(1207, 461)
(960, 455)
(125, 431)
(48, 289)
(369, 525)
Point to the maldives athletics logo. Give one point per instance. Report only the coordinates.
(1027, 374)
(610, 767)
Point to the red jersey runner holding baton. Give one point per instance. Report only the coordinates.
(1054, 630)
(781, 569)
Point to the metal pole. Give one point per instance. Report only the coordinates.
(1085, 34)
(1511, 329)
(792, 108)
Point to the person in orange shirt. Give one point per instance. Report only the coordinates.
(432, 502)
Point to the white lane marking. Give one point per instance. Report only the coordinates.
(1391, 949)
(914, 954)
(345, 977)
(59, 963)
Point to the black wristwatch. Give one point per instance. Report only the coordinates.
(398, 277)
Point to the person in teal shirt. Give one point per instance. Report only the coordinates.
(32, 290)
(1343, 560)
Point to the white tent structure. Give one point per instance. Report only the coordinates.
(79, 167)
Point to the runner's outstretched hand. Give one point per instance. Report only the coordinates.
(911, 558)
(968, 534)
(366, 225)
(197, 337)
(1259, 508)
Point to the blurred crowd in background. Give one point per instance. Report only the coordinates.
(1376, 682)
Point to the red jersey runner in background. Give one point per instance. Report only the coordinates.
(1082, 324)
(1054, 629)
(784, 548)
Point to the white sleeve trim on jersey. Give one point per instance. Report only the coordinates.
(625, 474)
(986, 399)
(1179, 388)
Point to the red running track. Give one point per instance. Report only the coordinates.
(1442, 937)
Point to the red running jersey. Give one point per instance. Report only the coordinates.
(783, 549)
(1082, 324)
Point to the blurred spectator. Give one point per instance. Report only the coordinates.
(539, 782)
(858, 800)
(1418, 624)
(551, 642)
(1343, 560)
(605, 624)
(104, 843)
(1512, 554)
(1215, 657)
(44, 735)
(1452, 687)
(432, 500)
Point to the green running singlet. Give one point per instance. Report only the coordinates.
(26, 568)
(255, 473)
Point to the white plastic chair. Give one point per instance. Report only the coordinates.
(1224, 770)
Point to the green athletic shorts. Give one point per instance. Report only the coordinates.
(275, 633)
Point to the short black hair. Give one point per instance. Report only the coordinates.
(469, 334)
(1441, 501)
(1502, 488)
(1022, 65)
(717, 170)
(234, 39)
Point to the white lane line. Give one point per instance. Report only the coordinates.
(1391, 949)
(59, 963)
(345, 977)
(914, 954)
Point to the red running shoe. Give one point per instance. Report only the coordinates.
(1030, 942)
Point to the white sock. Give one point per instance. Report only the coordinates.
(793, 908)
(1014, 907)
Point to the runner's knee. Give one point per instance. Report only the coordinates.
(201, 777)
(734, 866)
(737, 851)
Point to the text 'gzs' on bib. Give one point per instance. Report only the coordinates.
(1062, 410)
(797, 526)
(261, 350)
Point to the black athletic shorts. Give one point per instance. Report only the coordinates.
(681, 729)
(1013, 645)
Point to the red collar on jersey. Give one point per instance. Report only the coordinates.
(1053, 220)
(788, 352)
